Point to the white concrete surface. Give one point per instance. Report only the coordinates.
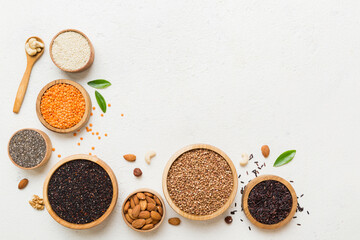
(234, 74)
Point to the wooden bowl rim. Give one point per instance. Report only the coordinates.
(75, 158)
(144, 190)
(166, 192)
(83, 120)
(47, 153)
(92, 51)
(245, 198)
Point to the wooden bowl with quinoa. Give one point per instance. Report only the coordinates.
(72, 51)
(200, 182)
(63, 106)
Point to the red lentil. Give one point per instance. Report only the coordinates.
(62, 106)
(53, 149)
(59, 156)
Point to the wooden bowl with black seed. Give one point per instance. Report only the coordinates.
(245, 199)
(193, 216)
(109, 209)
(47, 153)
(85, 118)
(145, 190)
(88, 63)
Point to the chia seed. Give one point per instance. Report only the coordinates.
(27, 148)
(80, 191)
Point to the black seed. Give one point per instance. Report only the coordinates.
(80, 191)
(270, 202)
(249, 228)
(233, 212)
(298, 224)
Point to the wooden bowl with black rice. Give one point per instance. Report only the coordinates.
(269, 201)
(80, 191)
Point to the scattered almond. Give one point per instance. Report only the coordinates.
(174, 221)
(265, 150)
(130, 157)
(23, 183)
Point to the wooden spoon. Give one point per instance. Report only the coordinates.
(25, 80)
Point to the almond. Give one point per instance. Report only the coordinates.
(128, 218)
(157, 200)
(130, 213)
(160, 210)
(151, 207)
(136, 200)
(150, 200)
(132, 203)
(140, 195)
(143, 205)
(144, 214)
(126, 206)
(130, 157)
(149, 194)
(148, 221)
(136, 211)
(138, 223)
(155, 216)
(174, 221)
(265, 150)
(147, 227)
(23, 183)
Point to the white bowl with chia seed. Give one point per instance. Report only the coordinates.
(29, 148)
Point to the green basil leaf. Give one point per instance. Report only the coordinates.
(284, 158)
(101, 101)
(99, 83)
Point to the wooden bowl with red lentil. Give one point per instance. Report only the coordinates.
(200, 182)
(80, 191)
(63, 106)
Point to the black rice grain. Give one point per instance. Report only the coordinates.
(80, 191)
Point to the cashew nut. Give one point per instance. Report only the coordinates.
(149, 155)
(29, 50)
(245, 159)
(33, 46)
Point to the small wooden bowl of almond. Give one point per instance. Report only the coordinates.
(143, 210)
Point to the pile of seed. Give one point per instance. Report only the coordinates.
(62, 106)
(80, 191)
(27, 148)
(200, 181)
(270, 202)
(70, 50)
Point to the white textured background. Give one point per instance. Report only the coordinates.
(234, 74)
